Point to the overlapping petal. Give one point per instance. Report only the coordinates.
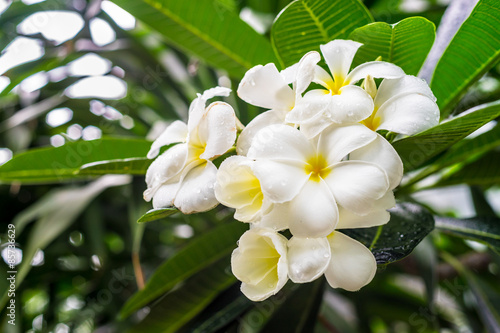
(352, 265)
(217, 130)
(261, 263)
(264, 86)
(280, 181)
(376, 69)
(357, 184)
(382, 153)
(175, 132)
(238, 187)
(308, 258)
(378, 214)
(264, 119)
(197, 107)
(313, 211)
(167, 166)
(280, 143)
(196, 191)
(336, 142)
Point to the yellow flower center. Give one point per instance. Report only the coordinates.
(372, 122)
(317, 167)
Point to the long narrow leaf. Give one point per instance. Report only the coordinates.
(482, 229)
(304, 25)
(198, 255)
(207, 29)
(178, 307)
(472, 52)
(47, 165)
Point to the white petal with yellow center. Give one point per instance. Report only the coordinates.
(261, 263)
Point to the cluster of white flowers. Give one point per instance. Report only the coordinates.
(313, 164)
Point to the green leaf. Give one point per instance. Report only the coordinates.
(54, 213)
(464, 152)
(52, 165)
(484, 171)
(197, 255)
(304, 25)
(221, 312)
(206, 29)
(130, 166)
(481, 229)
(409, 224)
(481, 204)
(472, 52)
(405, 43)
(157, 214)
(418, 149)
(266, 309)
(182, 304)
(300, 311)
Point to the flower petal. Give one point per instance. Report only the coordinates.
(290, 73)
(312, 104)
(215, 91)
(377, 69)
(338, 55)
(165, 195)
(196, 193)
(322, 77)
(197, 107)
(276, 217)
(352, 265)
(264, 86)
(308, 258)
(313, 211)
(408, 114)
(238, 187)
(262, 120)
(356, 185)
(217, 130)
(316, 125)
(407, 84)
(351, 105)
(260, 262)
(164, 168)
(175, 132)
(336, 142)
(378, 214)
(382, 153)
(280, 143)
(305, 71)
(280, 181)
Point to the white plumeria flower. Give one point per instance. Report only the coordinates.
(341, 101)
(260, 262)
(266, 87)
(238, 187)
(308, 179)
(404, 105)
(184, 175)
